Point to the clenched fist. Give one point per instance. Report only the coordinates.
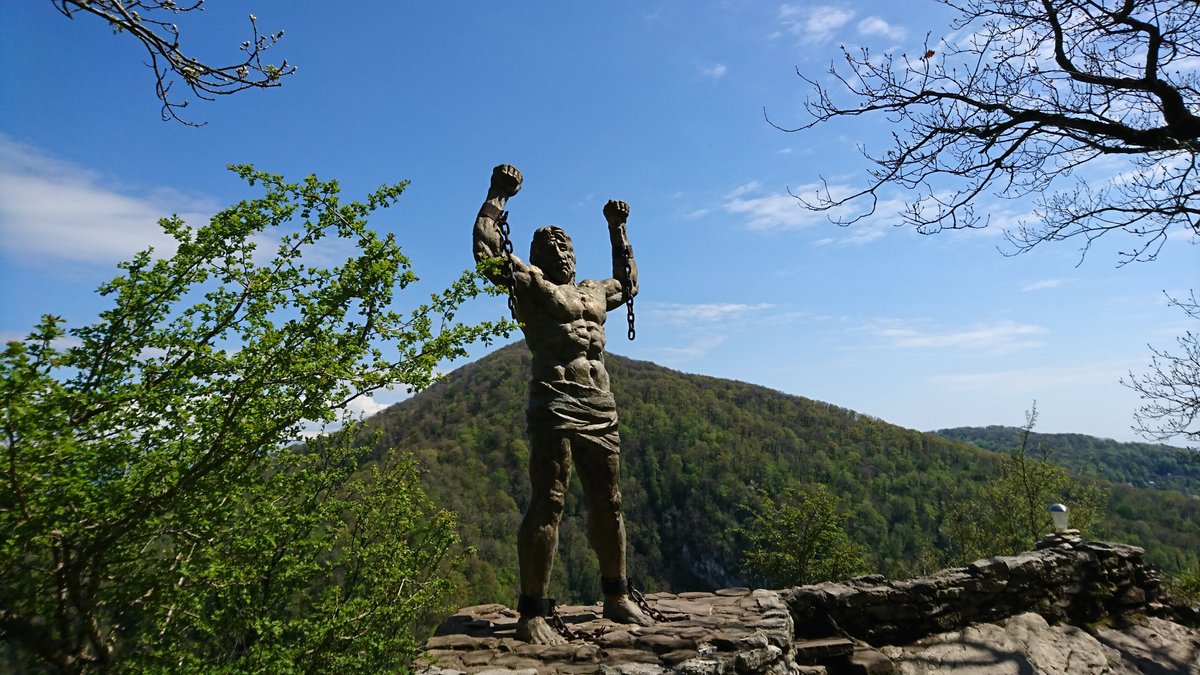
(616, 211)
(506, 180)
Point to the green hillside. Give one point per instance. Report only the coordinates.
(694, 450)
(1149, 465)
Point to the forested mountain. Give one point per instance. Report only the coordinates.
(1151, 465)
(695, 451)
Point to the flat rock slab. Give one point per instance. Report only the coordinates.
(730, 631)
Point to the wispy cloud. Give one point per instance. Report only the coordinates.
(779, 211)
(995, 336)
(51, 210)
(873, 26)
(1030, 379)
(707, 312)
(1043, 283)
(694, 350)
(813, 24)
(715, 72)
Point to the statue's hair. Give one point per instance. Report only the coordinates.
(542, 246)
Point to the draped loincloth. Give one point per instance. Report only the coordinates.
(576, 410)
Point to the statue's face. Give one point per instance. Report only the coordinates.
(553, 253)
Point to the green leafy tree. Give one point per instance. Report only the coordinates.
(1011, 512)
(150, 508)
(799, 538)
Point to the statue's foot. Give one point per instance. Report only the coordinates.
(621, 609)
(535, 630)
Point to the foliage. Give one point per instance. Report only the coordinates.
(799, 538)
(1146, 465)
(1010, 513)
(152, 23)
(1184, 588)
(694, 451)
(1170, 390)
(146, 484)
(1031, 93)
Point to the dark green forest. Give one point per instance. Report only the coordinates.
(695, 452)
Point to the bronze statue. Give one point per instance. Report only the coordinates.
(572, 416)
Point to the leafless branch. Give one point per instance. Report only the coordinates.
(149, 22)
(1028, 95)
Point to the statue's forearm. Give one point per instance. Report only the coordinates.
(488, 240)
(624, 266)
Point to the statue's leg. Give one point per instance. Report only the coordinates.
(600, 474)
(537, 538)
(599, 468)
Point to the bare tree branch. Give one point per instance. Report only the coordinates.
(1028, 95)
(149, 21)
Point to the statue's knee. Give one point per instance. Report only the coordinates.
(549, 504)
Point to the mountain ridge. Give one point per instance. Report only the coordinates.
(697, 451)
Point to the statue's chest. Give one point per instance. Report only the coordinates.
(570, 303)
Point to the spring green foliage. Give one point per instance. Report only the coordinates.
(1010, 512)
(800, 538)
(152, 513)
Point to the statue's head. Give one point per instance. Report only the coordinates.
(551, 251)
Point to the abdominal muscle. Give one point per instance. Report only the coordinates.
(571, 350)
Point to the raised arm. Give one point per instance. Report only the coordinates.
(488, 242)
(624, 266)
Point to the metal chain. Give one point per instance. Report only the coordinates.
(640, 601)
(628, 284)
(560, 627)
(506, 247)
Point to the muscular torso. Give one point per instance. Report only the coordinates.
(564, 328)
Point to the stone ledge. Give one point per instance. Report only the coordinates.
(725, 632)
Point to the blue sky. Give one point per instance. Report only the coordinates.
(657, 103)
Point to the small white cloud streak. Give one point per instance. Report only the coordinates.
(997, 336)
(1031, 379)
(710, 312)
(1043, 283)
(875, 26)
(715, 72)
(813, 24)
(779, 211)
(695, 350)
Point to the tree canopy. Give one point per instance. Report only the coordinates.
(153, 505)
(1086, 107)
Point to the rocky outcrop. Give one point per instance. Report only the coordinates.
(1068, 580)
(1069, 607)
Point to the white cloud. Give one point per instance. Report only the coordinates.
(875, 26)
(744, 188)
(996, 336)
(52, 210)
(689, 313)
(1030, 379)
(1043, 283)
(716, 72)
(813, 24)
(779, 211)
(696, 349)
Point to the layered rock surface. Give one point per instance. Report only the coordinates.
(1069, 607)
